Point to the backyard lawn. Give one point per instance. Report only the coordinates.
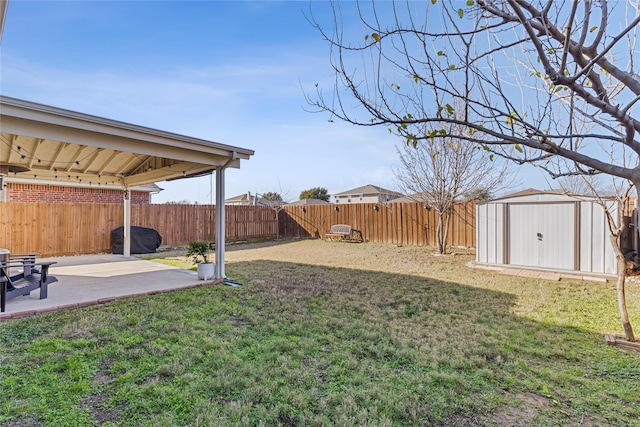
(324, 334)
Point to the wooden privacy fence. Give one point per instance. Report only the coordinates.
(396, 223)
(82, 228)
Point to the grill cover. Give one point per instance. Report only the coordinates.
(143, 240)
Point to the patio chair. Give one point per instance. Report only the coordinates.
(31, 275)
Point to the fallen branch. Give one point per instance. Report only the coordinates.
(620, 341)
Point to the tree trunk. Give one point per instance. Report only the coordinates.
(442, 230)
(447, 222)
(439, 232)
(620, 288)
(621, 264)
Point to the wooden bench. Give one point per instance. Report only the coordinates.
(343, 233)
(32, 275)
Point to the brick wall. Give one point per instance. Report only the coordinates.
(17, 192)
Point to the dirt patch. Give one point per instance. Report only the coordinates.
(96, 405)
(23, 422)
(522, 414)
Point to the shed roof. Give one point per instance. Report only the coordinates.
(532, 194)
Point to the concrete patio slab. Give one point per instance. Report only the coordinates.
(94, 279)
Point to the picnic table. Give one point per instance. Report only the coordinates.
(30, 275)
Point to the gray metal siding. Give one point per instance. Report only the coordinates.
(490, 233)
(546, 231)
(587, 237)
(596, 252)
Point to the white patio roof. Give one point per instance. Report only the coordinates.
(39, 142)
(48, 143)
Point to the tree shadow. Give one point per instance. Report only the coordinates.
(503, 368)
(302, 344)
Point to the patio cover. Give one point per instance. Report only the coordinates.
(40, 142)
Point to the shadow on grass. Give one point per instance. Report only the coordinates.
(310, 345)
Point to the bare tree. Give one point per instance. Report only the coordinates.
(527, 75)
(583, 185)
(276, 201)
(444, 172)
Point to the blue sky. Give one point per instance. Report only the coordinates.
(232, 72)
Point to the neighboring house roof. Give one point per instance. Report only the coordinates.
(244, 199)
(413, 198)
(304, 202)
(419, 198)
(369, 190)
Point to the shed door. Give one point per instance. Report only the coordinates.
(542, 235)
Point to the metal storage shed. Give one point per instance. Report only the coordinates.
(545, 230)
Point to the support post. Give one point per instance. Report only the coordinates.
(220, 228)
(126, 249)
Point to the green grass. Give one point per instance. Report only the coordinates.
(330, 334)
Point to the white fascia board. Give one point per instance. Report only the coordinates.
(163, 175)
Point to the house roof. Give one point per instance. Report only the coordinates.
(422, 197)
(243, 198)
(44, 142)
(412, 198)
(368, 190)
(305, 202)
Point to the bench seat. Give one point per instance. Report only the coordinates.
(343, 233)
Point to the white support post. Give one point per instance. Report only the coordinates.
(220, 228)
(126, 250)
